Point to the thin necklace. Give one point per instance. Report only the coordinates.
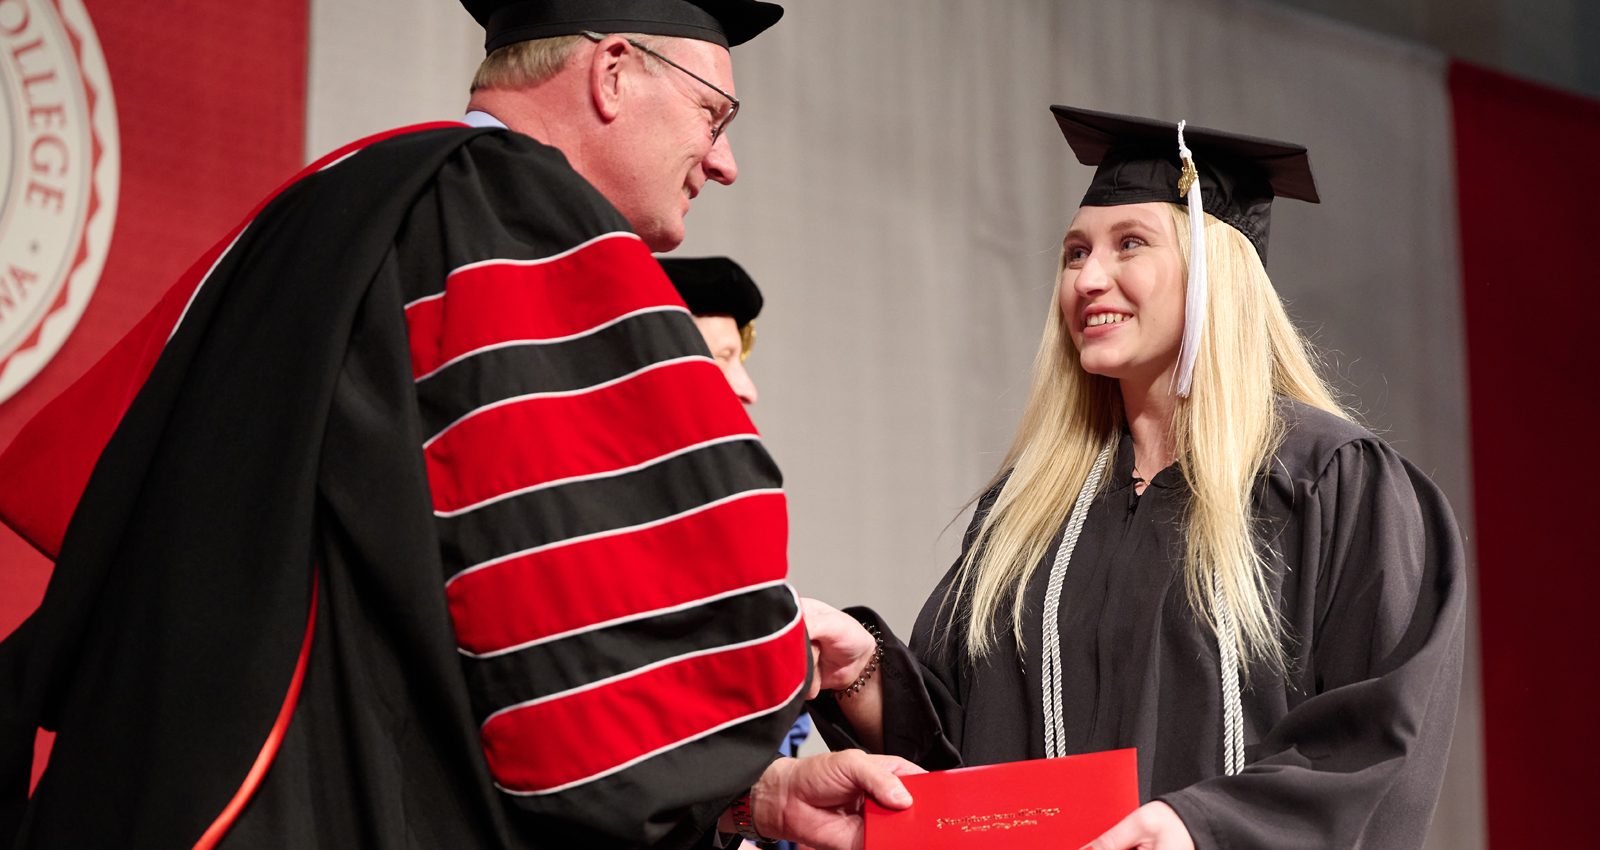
(1149, 478)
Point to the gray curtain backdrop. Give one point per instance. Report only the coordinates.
(901, 197)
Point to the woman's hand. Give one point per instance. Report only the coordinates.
(840, 646)
(842, 649)
(1152, 826)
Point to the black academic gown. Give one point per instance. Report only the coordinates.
(272, 470)
(1348, 749)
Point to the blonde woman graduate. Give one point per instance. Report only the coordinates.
(1190, 548)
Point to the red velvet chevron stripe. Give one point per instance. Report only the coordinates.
(496, 302)
(535, 748)
(513, 446)
(622, 483)
(720, 549)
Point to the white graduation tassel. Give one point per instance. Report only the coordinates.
(1194, 311)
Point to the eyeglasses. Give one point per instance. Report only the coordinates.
(719, 124)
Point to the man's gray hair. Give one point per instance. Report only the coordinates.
(529, 63)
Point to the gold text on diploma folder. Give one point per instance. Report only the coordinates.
(1008, 820)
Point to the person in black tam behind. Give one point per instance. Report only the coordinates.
(1189, 549)
(429, 523)
(725, 303)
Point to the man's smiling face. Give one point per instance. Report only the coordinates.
(662, 150)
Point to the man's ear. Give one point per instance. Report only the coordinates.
(605, 76)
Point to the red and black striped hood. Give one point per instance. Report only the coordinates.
(436, 397)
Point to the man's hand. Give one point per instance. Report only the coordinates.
(817, 800)
(1152, 826)
(840, 646)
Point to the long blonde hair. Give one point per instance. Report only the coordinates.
(1225, 434)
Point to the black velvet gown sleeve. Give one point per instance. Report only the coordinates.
(922, 713)
(1375, 599)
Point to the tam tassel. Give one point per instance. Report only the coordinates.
(1194, 309)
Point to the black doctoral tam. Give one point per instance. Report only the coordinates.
(715, 286)
(723, 22)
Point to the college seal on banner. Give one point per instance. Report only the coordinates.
(59, 169)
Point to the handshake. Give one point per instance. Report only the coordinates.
(817, 800)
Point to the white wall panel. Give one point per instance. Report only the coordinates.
(377, 64)
(902, 193)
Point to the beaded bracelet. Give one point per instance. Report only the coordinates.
(877, 656)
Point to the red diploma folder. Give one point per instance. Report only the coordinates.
(1059, 804)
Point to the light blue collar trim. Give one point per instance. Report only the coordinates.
(478, 118)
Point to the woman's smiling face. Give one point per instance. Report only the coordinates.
(1122, 290)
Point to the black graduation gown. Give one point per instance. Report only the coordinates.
(1346, 750)
(272, 469)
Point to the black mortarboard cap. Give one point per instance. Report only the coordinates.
(715, 285)
(723, 22)
(1137, 162)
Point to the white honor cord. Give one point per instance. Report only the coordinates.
(1228, 657)
(1228, 669)
(1194, 310)
(1055, 733)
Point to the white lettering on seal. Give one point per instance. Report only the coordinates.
(60, 171)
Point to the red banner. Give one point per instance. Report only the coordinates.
(1527, 195)
(210, 108)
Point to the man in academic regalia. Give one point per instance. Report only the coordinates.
(415, 514)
